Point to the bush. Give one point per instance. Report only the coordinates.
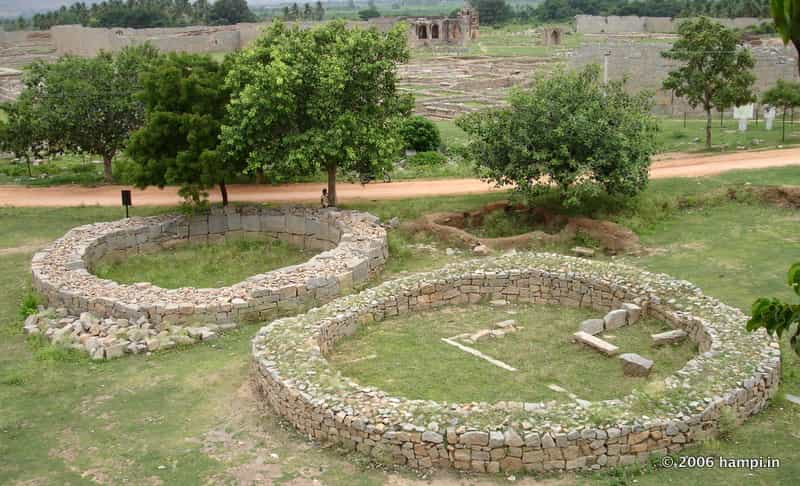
(29, 305)
(420, 134)
(426, 159)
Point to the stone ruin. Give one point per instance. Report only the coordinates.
(108, 319)
(432, 31)
(735, 373)
(552, 36)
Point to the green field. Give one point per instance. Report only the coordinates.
(186, 416)
(405, 356)
(203, 264)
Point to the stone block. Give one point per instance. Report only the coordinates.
(633, 310)
(592, 326)
(596, 343)
(635, 365)
(615, 319)
(668, 337)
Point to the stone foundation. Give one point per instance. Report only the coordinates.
(735, 374)
(355, 248)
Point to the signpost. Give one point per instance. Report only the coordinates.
(126, 200)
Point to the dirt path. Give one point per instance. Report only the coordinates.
(57, 196)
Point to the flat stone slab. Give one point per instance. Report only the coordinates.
(594, 342)
(582, 251)
(668, 337)
(592, 326)
(793, 398)
(635, 365)
(478, 354)
(616, 319)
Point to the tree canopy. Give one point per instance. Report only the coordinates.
(185, 101)
(21, 133)
(570, 130)
(88, 105)
(715, 71)
(304, 100)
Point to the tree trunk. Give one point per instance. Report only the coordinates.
(107, 174)
(332, 185)
(259, 176)
(708, 127)
(796, 43)
(783, 126)
(28, 162)
(224, 190)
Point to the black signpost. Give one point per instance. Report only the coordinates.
(126, 200)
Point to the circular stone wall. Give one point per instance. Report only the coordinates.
(734, 371)
(355, 247)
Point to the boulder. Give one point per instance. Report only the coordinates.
(633, 310)
(481, 250)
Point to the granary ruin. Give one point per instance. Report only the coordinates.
(432, 31)
(552, 36)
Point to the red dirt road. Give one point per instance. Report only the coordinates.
(59, 196)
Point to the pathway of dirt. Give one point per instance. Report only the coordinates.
(60, 196)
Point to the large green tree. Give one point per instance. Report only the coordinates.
(316, 99)
(89, 105)
(185, 103)
(786, 14)
(226, 12)
(714, 72)
(568, 129)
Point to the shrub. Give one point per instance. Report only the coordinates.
(29, 305)
(427, 159)
(420, 134)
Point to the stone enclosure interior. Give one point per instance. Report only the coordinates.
(294, 377)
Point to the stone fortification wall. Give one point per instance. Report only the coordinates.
(612, 24)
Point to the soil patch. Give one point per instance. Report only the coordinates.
(550, 228)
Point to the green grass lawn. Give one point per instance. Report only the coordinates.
(673, 137)
(405, 356)
(203, 265)
(185, 416)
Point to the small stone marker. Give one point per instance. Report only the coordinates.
(592, 326)
(582, 251)
(668, 337)
(498, 302)
(793, 398)
(481, 250)
(594, 342)
(510, 323)
(635, 365)
(616, 319)
(633, 310)
(769, 117)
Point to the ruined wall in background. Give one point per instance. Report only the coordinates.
(612, 24)
(644, 68)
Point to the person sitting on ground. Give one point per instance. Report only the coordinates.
(323, 200)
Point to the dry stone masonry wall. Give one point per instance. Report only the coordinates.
(85, 306)
(735, 372)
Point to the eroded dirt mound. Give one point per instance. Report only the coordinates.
(782, 196)
(455, 227)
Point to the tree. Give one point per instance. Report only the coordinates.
(420, 134)
(304, 100)
(227, 12)
(786, 14)
(570, 130)
(493, 11)
(185, 101)
(89, 105)
(776, 316)
(786, 95)
(21, 133)
(319, 12)
(370, 12)
(715, 71)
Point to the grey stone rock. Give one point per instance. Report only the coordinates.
(584, 252)
(474, 438)
(615, 319)
(633, 310)
(635, 365)
(481, 250)
(596, 343)
(668, 337)
(592, 326)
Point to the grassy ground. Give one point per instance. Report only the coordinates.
(203, 265)
(406, 357)
(186, 416)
